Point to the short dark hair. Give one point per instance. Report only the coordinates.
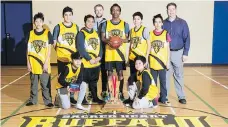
(75, 56)
(88, 16)
(157, 16)
(38, 15)
(98, 5)
(138, 14)
(67, 9)
(141, 58)
(171, 4)
(115, 5)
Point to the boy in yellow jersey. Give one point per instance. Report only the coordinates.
(64, 41)
(115, 58)
(72, 77)
(159, 55)
(139, 39)
(38, 61)
(142, 89)
(89, 47)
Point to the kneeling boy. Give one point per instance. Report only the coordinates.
(72, 77)
(142, 89)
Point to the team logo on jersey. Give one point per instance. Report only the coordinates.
(157, 45)
(69, 37)
(93, 42)
(72, 79)
(116, 32)
(38, 45)
(135, 42)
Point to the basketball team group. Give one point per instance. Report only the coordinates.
(101, 49)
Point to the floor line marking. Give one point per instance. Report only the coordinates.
(59, 110)
(15, 80)
(211, 79)
(21, 106)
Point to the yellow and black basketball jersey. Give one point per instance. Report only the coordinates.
(139, 43)
(38, 51)
(159, 52)
(66, 42)
(71, 76)
(115, 30)
(153, 90)
(92, 47)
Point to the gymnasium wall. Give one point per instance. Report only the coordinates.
(199, 16)
(220, 41)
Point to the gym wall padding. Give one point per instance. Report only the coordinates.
(220, 33)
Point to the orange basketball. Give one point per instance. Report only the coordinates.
(115, 42)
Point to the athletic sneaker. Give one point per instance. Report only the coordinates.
(105, 96)
(183, 101)
(79, 106)
(29, 104)
(128, 102)
(50, 105)
(73, 101)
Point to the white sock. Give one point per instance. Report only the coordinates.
(79, 106)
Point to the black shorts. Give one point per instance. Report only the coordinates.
(118, 65)
(91, 75)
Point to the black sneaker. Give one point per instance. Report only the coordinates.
(121, 96)
(85, 102)
(73, 101)
(128, 102)
(50, 105)
(29, 104)
(182, 101)
(99, 101)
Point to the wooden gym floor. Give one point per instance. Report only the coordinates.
(206, 90)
